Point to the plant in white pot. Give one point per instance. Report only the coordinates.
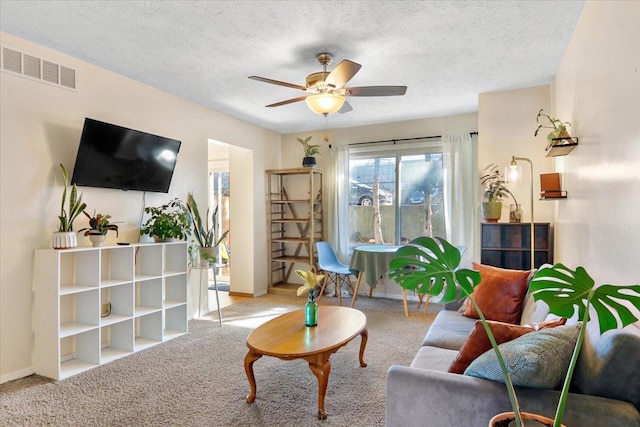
(65, 237)
(205, 231)
(98, 227)
(310, 151)
(495, 190)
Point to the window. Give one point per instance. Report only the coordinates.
(395, 193)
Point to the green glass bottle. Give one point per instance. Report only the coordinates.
(311, 311)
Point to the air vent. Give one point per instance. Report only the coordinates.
(39, 69)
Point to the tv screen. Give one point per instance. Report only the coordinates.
(111, 156)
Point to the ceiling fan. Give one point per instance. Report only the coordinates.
(325, 91)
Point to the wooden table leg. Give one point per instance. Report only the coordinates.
(321, 371)
(363, 343)
(248, 369)
(404, 302)
(355, 291)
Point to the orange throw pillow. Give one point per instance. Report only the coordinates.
(500, 294)
(478, 341)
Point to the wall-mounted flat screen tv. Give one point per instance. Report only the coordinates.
(111, 156)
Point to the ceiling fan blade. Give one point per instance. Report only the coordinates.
(277, 82)
(288, 101)
(343, 72)
(346, 107)
(376, 90)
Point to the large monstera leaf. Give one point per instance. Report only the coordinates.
(566, 290)
(429, 266)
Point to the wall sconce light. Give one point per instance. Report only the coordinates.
(512, 173)
(325, 103)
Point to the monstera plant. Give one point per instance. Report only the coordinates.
(430, 266)
(566, 291)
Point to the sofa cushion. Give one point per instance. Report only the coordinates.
(449, 330)
(433, 358)
(478, 341)
(500, 294)
(608, 365)
(538, 359)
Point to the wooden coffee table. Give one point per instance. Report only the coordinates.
(286, 337)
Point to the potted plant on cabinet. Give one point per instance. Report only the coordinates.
(559, 128)
(169, 221)
(310, 151)
(430, 266)
(65, 237)
(495, 190)
(98, 227)
(205, 232)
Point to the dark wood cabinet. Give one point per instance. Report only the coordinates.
(508, 245)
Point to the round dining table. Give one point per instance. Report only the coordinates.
(370, 262)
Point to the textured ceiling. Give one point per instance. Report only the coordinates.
(445, 52)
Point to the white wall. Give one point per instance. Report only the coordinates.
(506, 125)
(41, 127)
(597, 88)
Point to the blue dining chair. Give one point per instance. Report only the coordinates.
(328, 262)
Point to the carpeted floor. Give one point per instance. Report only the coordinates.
(199, 380)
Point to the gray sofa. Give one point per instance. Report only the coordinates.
(605, 386)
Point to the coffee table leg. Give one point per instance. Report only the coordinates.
(321, 371)
(248, 369)
(363, 343)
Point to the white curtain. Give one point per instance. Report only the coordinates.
(337, 218)
(459, 181)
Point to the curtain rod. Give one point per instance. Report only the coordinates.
(404, 139)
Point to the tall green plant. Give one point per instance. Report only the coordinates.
(429, 266)
(205, 232)
(495, 185)
(76, 206)
(565, 291)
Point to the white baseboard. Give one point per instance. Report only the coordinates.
(17, 375)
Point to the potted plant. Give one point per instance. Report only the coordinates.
(566, 291)
(169, 221)
(310, 151)
(310, 279)
(495, 190)
(98, 227)
(65, 237)
(559, 128)
(430, 266)
(205, 232)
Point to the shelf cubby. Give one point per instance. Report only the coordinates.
(79, 353)
(174, 322)
(117, 266)
(148, 330)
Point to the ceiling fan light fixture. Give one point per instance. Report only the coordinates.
(325, 103)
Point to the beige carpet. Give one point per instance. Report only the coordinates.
(199, 379)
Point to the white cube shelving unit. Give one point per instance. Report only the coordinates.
(146, 285)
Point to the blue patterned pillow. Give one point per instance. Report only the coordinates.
(538, 359)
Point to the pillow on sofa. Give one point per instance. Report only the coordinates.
(478, 342)
(500, 294)
(538, 359)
